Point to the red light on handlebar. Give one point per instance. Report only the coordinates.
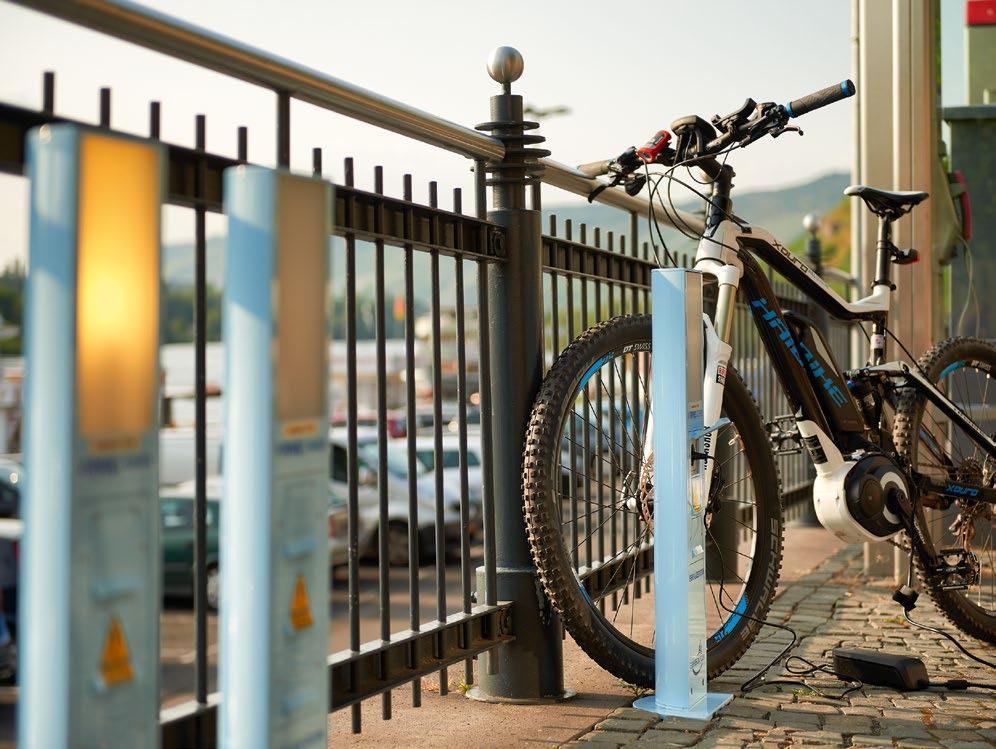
(653, 147)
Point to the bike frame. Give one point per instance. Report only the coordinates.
(727, 253)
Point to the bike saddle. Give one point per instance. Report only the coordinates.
(886, 203)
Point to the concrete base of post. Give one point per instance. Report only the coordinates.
(530, 669)
(704, 710)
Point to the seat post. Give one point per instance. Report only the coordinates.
(884, 251)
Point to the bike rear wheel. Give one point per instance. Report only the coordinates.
(588, 505)
(962, 368)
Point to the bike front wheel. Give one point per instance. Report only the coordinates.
(588, 495)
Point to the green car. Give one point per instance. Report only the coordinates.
(176, 506)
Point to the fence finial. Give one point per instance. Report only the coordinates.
(505, 65)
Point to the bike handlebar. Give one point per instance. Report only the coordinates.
(820, 98)
(595, 168)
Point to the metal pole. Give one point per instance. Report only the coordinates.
(200, 436)
(529, 669)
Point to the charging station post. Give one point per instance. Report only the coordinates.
(273, 627)
(679, 507)
(90, 564)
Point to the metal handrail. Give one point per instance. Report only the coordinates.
(185, 41)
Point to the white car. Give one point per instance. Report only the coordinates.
(425, 457)
(176, 453)
(368, 494)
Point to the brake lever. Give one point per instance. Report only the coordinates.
(775, 132)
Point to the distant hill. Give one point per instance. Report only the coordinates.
(779, 211)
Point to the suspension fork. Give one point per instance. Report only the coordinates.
(717, 359)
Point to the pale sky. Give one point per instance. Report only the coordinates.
(626, 69)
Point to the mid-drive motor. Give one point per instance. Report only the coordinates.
(861, 500)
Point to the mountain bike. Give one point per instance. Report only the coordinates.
(903, 451)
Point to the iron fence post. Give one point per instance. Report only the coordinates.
(530, 668)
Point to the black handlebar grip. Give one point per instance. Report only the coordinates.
(595, 168)
(821, 98)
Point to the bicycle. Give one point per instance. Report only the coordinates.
(896, 446)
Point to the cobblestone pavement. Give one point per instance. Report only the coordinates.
(830, 607)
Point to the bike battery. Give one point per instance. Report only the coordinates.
(828, 382)
(902, 672)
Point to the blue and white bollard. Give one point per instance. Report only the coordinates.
(679, 507)
(90, 562)
(274, 516)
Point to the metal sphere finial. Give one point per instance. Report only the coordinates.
(811, 222)
(505, 64)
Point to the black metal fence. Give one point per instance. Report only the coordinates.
(422, 454)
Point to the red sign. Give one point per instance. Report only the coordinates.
(980, 12)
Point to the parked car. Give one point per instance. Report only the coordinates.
(10, 487)
(177, 456)
(473, 421)
(425, 456)
(425, 419)
(177, 508)
(11, 530)
(397, 496)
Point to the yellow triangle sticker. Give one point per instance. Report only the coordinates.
(300, 608)
(115, 663)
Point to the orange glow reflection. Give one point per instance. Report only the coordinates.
(117, 318)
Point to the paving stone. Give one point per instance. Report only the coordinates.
(904, 729)
(682, 724)
(850, 724)
(623, 724)
(795, 719)
(813, 707)
(582, 744)
(859, 741)
(724, 738)
(609, 737)
(632, 713)
(653, 737)
(820, 738)
(945, 733)
(744, 710)
(751, 724)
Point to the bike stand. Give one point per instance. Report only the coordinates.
(679, 525)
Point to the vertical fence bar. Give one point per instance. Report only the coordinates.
(414, 618)
(105, 107)
(573, 449)
(353, 502)
(613, 464)
(200, 434)
(48, 92)
(283, 129)
(383, 535)
(468, 672)
(437, 436)
(586, 437)
(155, 119)
(554, 301)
